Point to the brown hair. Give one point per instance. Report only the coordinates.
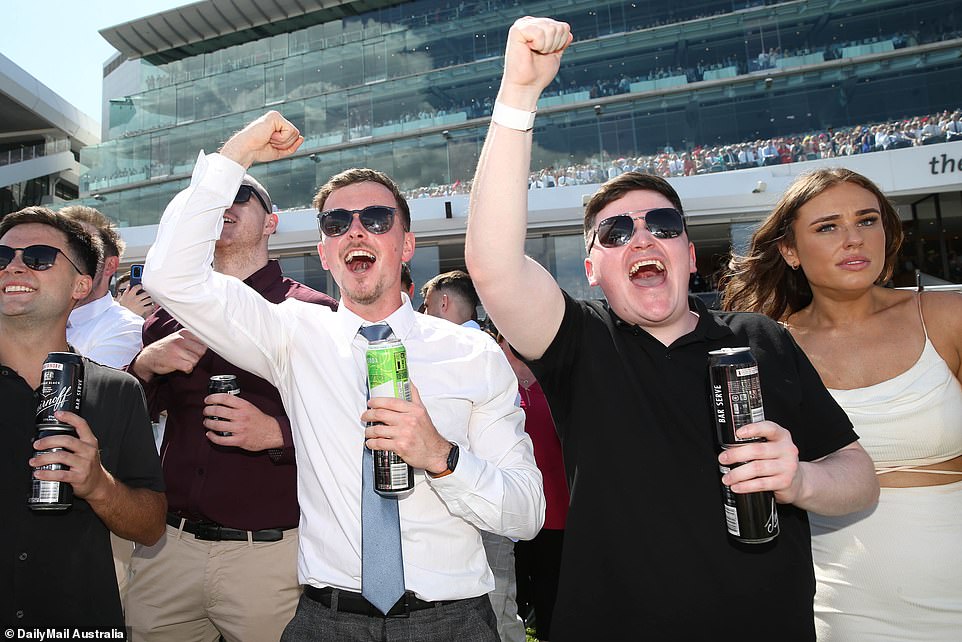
(457, 282)
(86, 249)
(622, 184)
(363, 175)
(113, 244)
(762, 282)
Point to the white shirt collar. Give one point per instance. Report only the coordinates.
(88, 311)
(401, 320)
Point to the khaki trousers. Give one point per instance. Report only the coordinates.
(187, 590)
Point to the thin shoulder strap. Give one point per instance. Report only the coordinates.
(918, 298)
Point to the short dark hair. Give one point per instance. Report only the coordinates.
(113, 243)
(457, 282)
(622, 184)
(86, 249)
(364, 175)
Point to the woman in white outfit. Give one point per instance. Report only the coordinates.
(892, 359)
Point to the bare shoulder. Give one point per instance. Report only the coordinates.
(943, 308)
(943, 320)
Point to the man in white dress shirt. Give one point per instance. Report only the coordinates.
(100, 328)
(462, 433)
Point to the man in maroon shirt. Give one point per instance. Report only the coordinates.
(228, 562)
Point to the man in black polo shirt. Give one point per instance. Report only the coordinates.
(647, 555)
(56, 568)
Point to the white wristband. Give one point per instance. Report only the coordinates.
(512, 118)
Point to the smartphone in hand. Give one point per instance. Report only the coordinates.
(136, 274)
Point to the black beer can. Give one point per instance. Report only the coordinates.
(751, 518)
(61, 388)
(736, 393)
(222, 384)
(736, 398)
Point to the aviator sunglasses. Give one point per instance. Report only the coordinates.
(35, 257)
(376, 219)
(615, 231)
(244, 193)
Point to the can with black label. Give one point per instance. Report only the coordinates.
(387, 376)
(736, 398)
(61, 388)
(736, 393)
(751, 518)
(226, 384)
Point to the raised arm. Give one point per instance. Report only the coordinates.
(224, 313)
(519, 294)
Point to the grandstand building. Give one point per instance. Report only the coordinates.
(41, 136)
(731, 98)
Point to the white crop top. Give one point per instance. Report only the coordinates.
(912, 419)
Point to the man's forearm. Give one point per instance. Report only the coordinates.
(841, 483)
(137, 514)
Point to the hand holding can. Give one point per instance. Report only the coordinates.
(61, 388)
(736, 399)
(226, 384)
(387, 376)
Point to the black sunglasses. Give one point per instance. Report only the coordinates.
(615, 231)
(244, 193)
(35, 257)
(376, 219)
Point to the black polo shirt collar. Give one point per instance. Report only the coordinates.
(709, 328)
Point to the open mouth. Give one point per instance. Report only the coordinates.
(647, 273)
(359, 260)
(228, 220)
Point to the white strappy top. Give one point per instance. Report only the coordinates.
(912, 419)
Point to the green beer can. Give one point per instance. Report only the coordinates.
(387, 376)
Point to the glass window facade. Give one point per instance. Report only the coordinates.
(408, 89)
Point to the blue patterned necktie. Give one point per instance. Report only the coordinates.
(382, 569)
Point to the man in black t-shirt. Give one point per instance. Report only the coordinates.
(56, 570)
(646, 553)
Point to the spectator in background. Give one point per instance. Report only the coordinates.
(451, 296)
(105, 331)
(99, 327)
(134, 299)
(121, 286)
(407, 281)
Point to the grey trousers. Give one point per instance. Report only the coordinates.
(469, 620)
(500, 553)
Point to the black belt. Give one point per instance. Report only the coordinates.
(350, 602)
(213, 532)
